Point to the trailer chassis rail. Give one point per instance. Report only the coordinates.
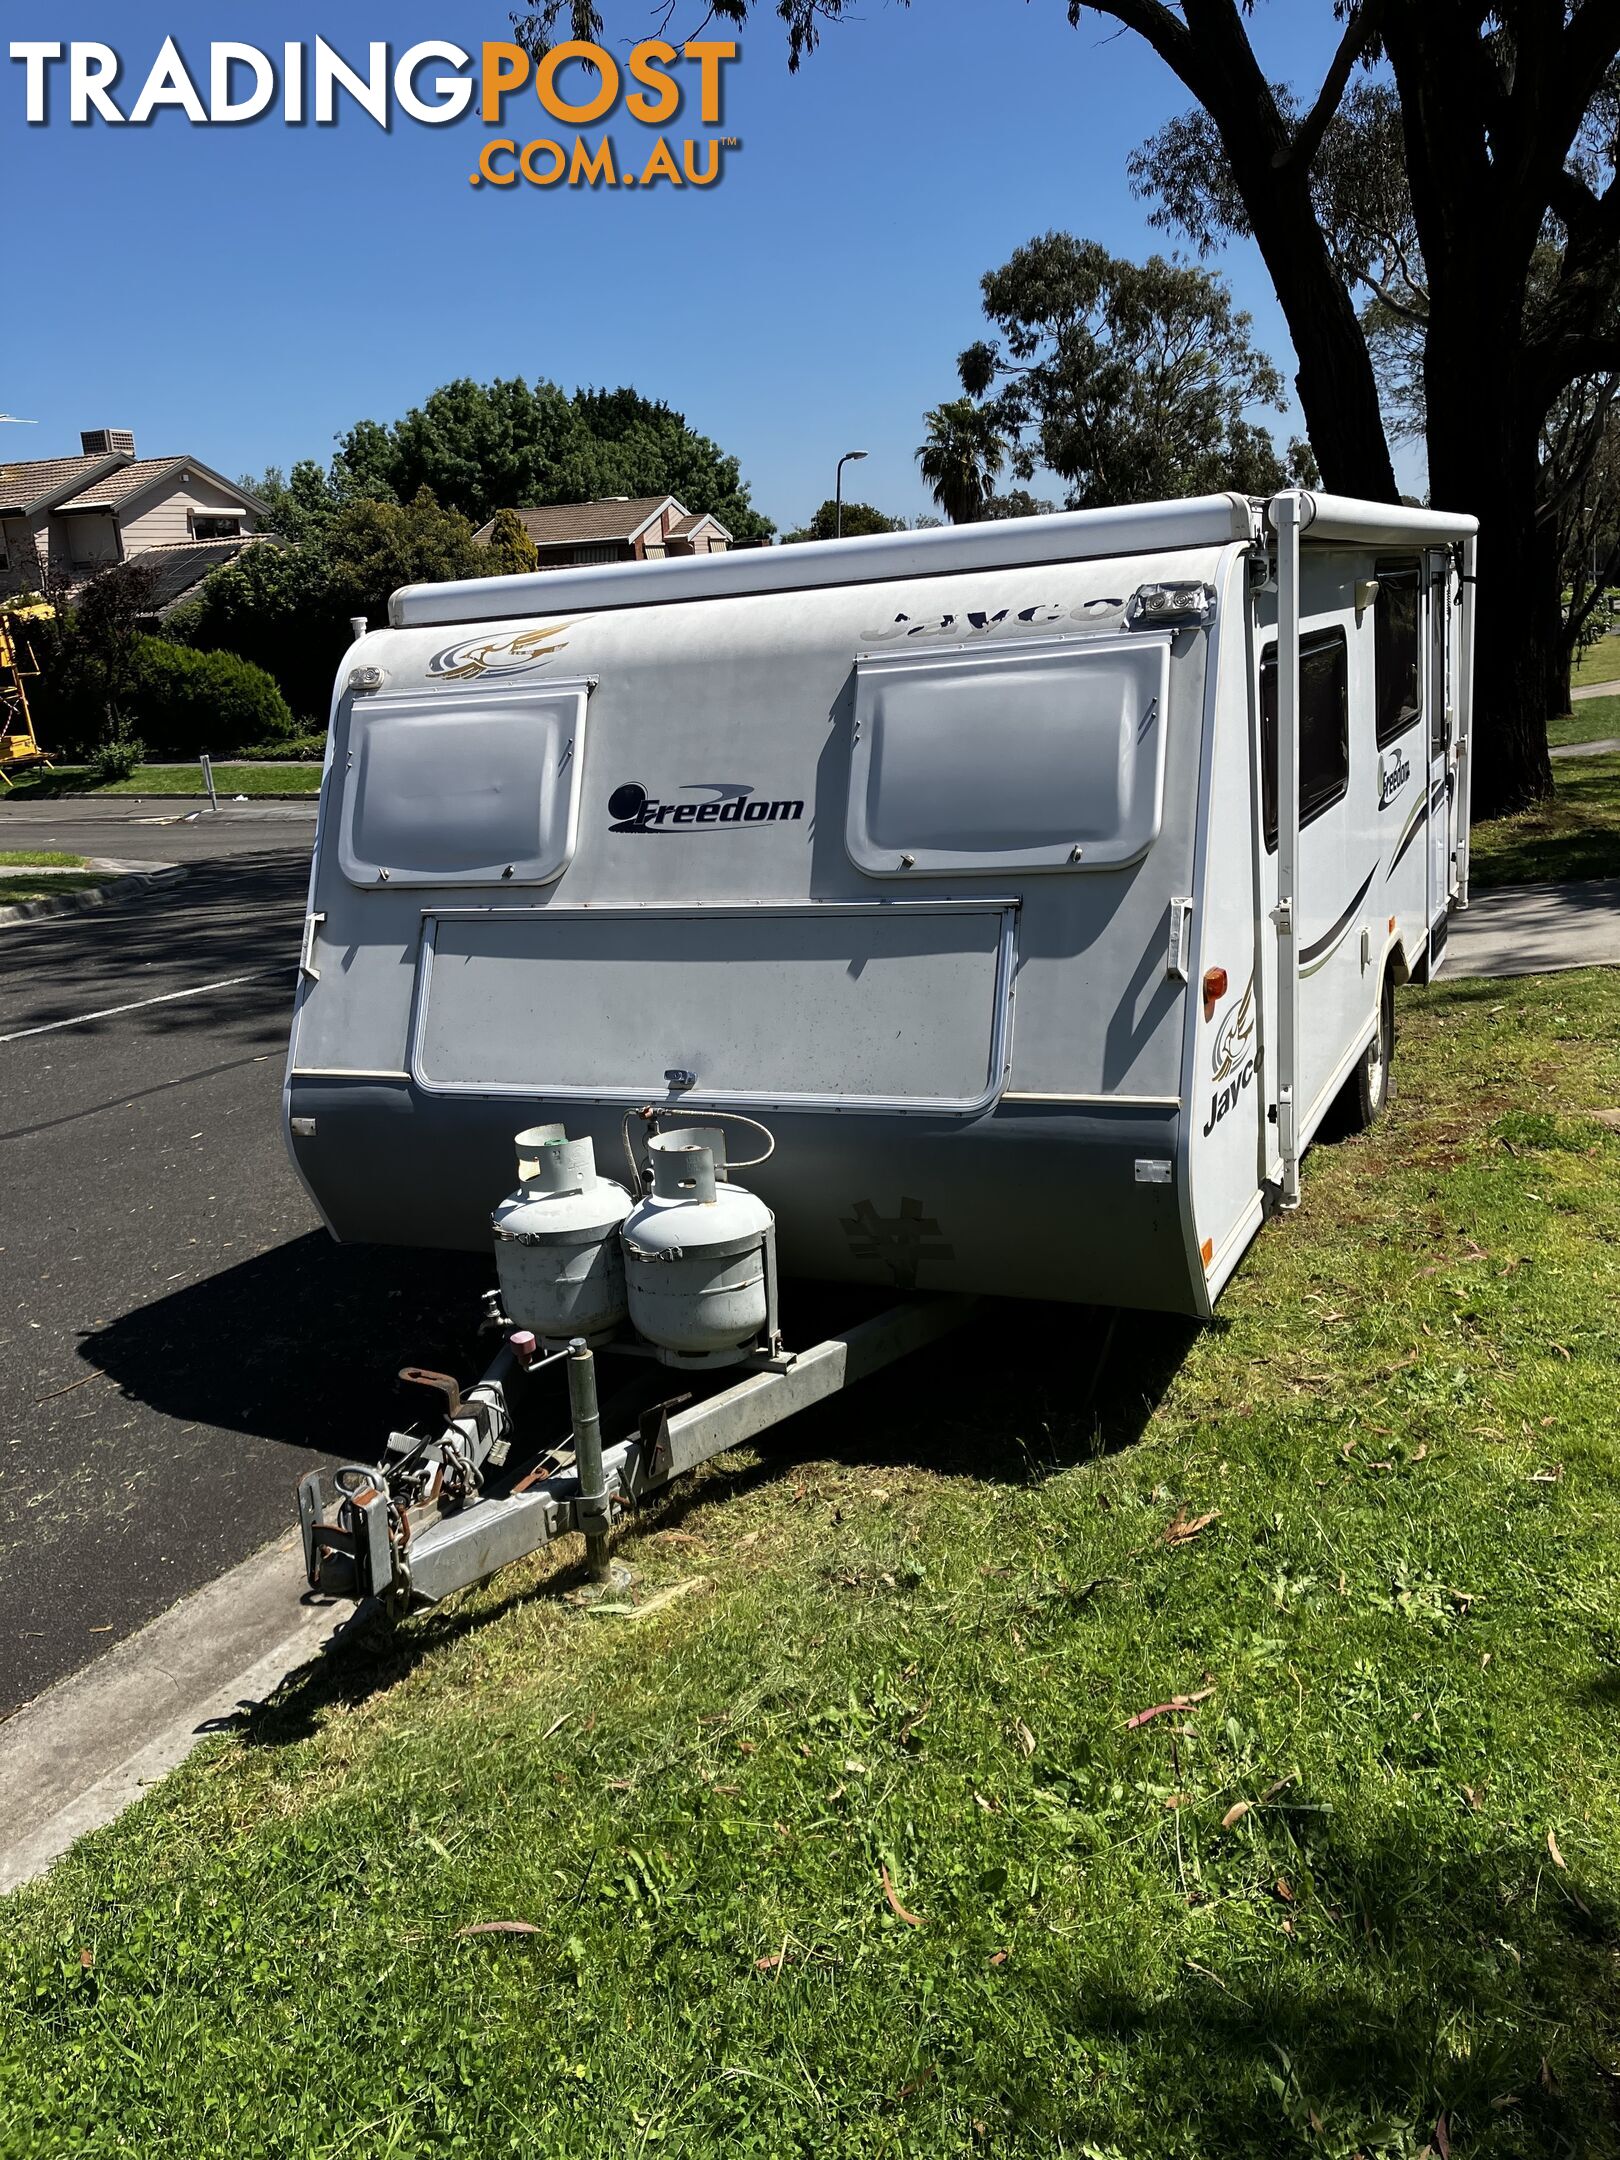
(374, 1543)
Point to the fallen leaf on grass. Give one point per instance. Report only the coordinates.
(87, 1959)
(1166, 1709)
(499, 1927)
(900, 1913)
(655, 1604)
(1182, 1531)
(998, 1957)
(1235, 1813)
(1442, 2138)
(1023, 1737)
(1554, 1476)
(768, 1964)
(1552, 1847)
(1283, 1891)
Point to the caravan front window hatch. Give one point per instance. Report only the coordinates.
(1039, 754)
(477, 787)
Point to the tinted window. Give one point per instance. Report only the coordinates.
(1397, 615)
(1324, 726)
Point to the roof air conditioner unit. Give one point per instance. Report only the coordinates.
(107, 442)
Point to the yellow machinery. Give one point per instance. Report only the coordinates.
(19, 745)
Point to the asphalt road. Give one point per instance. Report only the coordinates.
(179, 1338)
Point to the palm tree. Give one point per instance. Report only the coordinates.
(961, 458)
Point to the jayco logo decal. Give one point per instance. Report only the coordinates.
(1393, 773)
(721, 805)
(985, 622)
(1235, 1061)
(479, 656)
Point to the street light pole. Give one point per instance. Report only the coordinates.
(838, 492)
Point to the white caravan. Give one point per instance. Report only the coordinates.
(1042, 884)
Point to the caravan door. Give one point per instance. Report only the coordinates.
(1442, 736)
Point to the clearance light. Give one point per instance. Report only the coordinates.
(1164, 607)
(1214, 990)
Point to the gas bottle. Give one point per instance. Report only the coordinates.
(557, 1240)
(698, 1254)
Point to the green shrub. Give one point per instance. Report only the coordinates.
(307, 749)
(115, 759)
(187, 701)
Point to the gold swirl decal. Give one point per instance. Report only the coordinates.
(478, 656)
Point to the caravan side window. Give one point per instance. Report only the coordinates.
(1324, 726)
(1397, 620)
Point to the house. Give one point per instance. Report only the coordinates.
(619, 528)
(62, 519)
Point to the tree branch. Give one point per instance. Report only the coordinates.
(1567, 359)
(1163, 29)
(1359, 33)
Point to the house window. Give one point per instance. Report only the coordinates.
(216, 524)
(1397, 615)
(1324, 726)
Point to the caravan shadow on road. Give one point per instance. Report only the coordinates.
(301, 1345)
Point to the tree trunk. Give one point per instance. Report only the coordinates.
(1483, 458)
(1337, 388)
(1479, 215)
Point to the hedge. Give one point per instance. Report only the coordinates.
(187, 701)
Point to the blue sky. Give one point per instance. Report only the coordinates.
(244, 293)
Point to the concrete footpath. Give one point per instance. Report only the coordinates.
(77, 1755)
(1537, 929)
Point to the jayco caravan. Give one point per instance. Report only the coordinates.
(1041, 884)
(1022, 895)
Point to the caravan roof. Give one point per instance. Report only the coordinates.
(1066, 536)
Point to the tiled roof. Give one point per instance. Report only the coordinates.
(563, 524)
(117, 487)
(34, 480)
(179, 568)
(685, 525)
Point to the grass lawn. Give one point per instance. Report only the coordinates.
(17, 886)
(1600, 663)
(1576, 835)
(865, 1847)
(39, 859)
(173, 780)
(1593, 720)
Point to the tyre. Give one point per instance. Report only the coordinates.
(1369, 1088)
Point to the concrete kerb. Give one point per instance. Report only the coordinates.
(79, 1754)
(122, 887)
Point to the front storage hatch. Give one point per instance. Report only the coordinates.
(902, 1005)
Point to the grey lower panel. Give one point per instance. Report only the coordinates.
(1030, 1200)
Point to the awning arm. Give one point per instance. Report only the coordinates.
(1465, 715)
(1287, 517)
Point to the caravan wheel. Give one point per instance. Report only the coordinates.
(1373, 1081)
